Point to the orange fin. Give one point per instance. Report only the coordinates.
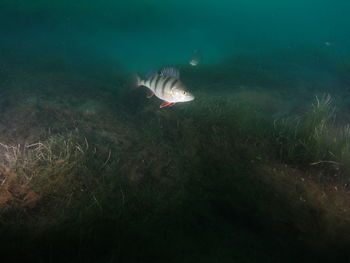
(166, 103)
(150, 94)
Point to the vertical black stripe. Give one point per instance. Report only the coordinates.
(166, 81)
(173, 84)
(164, 85)
(152, 78)
(156, 85)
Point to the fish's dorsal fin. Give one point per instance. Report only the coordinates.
(170, 72)
(151, 73)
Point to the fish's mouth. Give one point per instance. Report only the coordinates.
(190, 98)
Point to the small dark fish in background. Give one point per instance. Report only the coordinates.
(167, 86)
(195, 59)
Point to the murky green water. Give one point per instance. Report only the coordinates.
(255, 169)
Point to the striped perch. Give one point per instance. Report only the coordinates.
(166, 85)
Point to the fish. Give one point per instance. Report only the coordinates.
(328, 43)
(195, 59)
(167, 86)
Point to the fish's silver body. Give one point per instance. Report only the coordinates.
(166, 85)
(167, 88)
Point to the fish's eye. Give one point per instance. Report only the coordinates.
(184, 92)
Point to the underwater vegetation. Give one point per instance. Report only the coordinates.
(251, 164)
(315, 138)
(92, 171)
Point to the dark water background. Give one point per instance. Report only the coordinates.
(201, 182)
(144, 34)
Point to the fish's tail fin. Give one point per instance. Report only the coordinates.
(138, 81)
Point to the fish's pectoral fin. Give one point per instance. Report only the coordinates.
(166, 103)
(150, 94)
